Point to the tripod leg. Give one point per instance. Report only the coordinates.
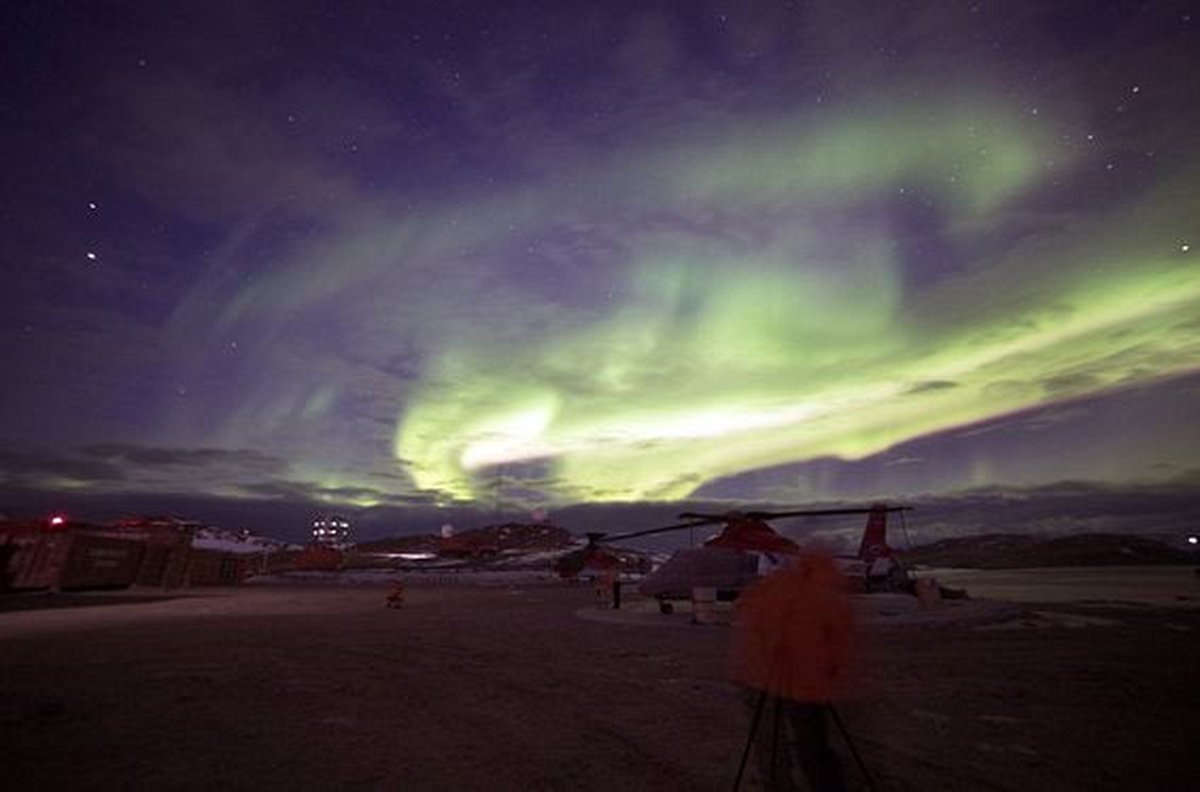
(811, 747)
(775, 745)
(837, 719)
(758, 709)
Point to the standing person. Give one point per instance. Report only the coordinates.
(605, 582)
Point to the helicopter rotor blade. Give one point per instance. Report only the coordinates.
(666, 528)
(765, 515)
(696, 519)
(700, 516)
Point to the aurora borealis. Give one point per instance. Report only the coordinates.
(783, 331)
(590, 253)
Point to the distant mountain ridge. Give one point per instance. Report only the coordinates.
(210, 538)
(504, 537)
(1016, 551)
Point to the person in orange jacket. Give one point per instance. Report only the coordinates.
(793, 647)
(395, 598)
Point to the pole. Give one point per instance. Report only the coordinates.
(496, 494)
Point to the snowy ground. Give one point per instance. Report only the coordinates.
(1139, 585)
(309, 685)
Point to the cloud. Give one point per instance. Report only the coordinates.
(328, 497)
(232, 461)
(111, 469)
(1052, 417)
(24, 469)
(932, 385)
(903, 460)
(985, 429)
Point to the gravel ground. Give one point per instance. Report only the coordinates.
(507, 687)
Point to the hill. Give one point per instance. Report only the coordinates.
(1015, 551)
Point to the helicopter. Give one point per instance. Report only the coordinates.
(746, 548)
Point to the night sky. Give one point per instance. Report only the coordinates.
(357, 255)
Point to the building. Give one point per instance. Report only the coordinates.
(331, 530)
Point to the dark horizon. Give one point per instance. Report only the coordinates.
(1166, 511)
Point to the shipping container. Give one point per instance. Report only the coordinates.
(165, 561)
(100, 562)
(214, 568)
(33, 560)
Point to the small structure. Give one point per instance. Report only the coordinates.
(473, 544)
(319, 558)
(332, 530)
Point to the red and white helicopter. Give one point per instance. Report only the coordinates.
(746, 548)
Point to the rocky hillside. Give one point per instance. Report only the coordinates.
(1014, 551)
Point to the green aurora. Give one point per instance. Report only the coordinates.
(430, 262)
(784, 331)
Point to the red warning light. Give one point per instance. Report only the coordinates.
(57, 521)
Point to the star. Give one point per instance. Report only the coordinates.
(91, 256)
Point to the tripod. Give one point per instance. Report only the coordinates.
(823, 772)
